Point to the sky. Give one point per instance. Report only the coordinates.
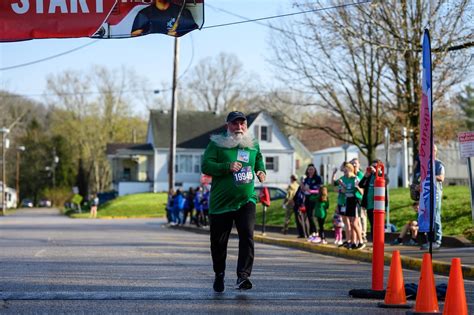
(150, 56)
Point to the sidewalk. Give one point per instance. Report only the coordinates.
(411, 255)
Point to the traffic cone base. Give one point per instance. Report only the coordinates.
(384, 305)
(426, 299)
(395, 296)
(455, 302)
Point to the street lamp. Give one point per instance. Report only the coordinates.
(55, 162)
(345, 146)
(19, 149)
(5, 143)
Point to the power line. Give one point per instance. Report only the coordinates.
(48, 58)
(205, 27)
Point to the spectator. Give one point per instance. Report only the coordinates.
(289, 204)
(338, 225)
(198, 196)
(363, 211)
(320, 212)
(205, 205)
(350, 182)
(179, 203)
(367, 184)
(300, 211)
(94, 206)
(341, 205)
(169, 207)
(412, 228)
(188, 210)
(310, 188)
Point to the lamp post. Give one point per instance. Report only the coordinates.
(345, 146)
(19, 149)
(4, 132)
(55, 162)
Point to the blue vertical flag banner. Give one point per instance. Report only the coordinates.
(427, 187)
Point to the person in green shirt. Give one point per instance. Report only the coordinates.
(353, 194)
(233, 159)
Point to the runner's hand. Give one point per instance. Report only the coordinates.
(235, 166)
(261, 176)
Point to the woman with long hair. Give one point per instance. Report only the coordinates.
(311, 185)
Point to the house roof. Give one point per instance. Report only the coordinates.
(112, 148)
(194, 128)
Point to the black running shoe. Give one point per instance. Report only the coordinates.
(219, 283)
(243, 284)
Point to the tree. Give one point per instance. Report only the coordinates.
(466, 103)
(346, 90)
(361, 63)
(91, 110)
(221, 84)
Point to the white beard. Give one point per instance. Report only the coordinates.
(229, 140)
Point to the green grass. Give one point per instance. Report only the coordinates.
(456, 209)
(455, 215)
(147, 205)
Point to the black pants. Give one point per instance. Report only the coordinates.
(221, 226)
(310, 213)
(321, 227)
(299, 226)
(370, 216)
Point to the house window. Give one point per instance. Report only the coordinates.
(184, 163)
(197, 164)
(298, 164)
(127, 174)
(271, 163)
(263, 133)
(188, 163)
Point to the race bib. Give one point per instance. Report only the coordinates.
(243, 176)
(243, 156)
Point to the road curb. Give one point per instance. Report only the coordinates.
(365, 255)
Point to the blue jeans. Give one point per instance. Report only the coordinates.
(437, 227)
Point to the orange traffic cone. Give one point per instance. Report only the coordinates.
(395, 296)
(426, 299)
(455, 302)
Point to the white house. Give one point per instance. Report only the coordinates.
(10, 197)
(400, 162)
(144, 167)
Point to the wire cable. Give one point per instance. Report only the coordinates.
(204, 27)
(49, 58)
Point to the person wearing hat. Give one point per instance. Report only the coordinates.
(233, 159)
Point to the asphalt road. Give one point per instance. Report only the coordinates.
(50, 264)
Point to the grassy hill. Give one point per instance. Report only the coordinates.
(144, 205)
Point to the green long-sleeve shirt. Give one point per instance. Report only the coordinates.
(230, 191)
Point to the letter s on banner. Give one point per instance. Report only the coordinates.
(22, 7)
(30, 19)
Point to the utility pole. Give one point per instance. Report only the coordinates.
(18, 150)
(55, 162)
(174, 113)
(4, 132)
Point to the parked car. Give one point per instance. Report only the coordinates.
(27, 203)
(44, 203)
(275, 192)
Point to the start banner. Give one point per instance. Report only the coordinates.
(32, 19)
(29, 19)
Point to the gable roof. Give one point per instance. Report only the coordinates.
(112, 148)
(194, 128)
